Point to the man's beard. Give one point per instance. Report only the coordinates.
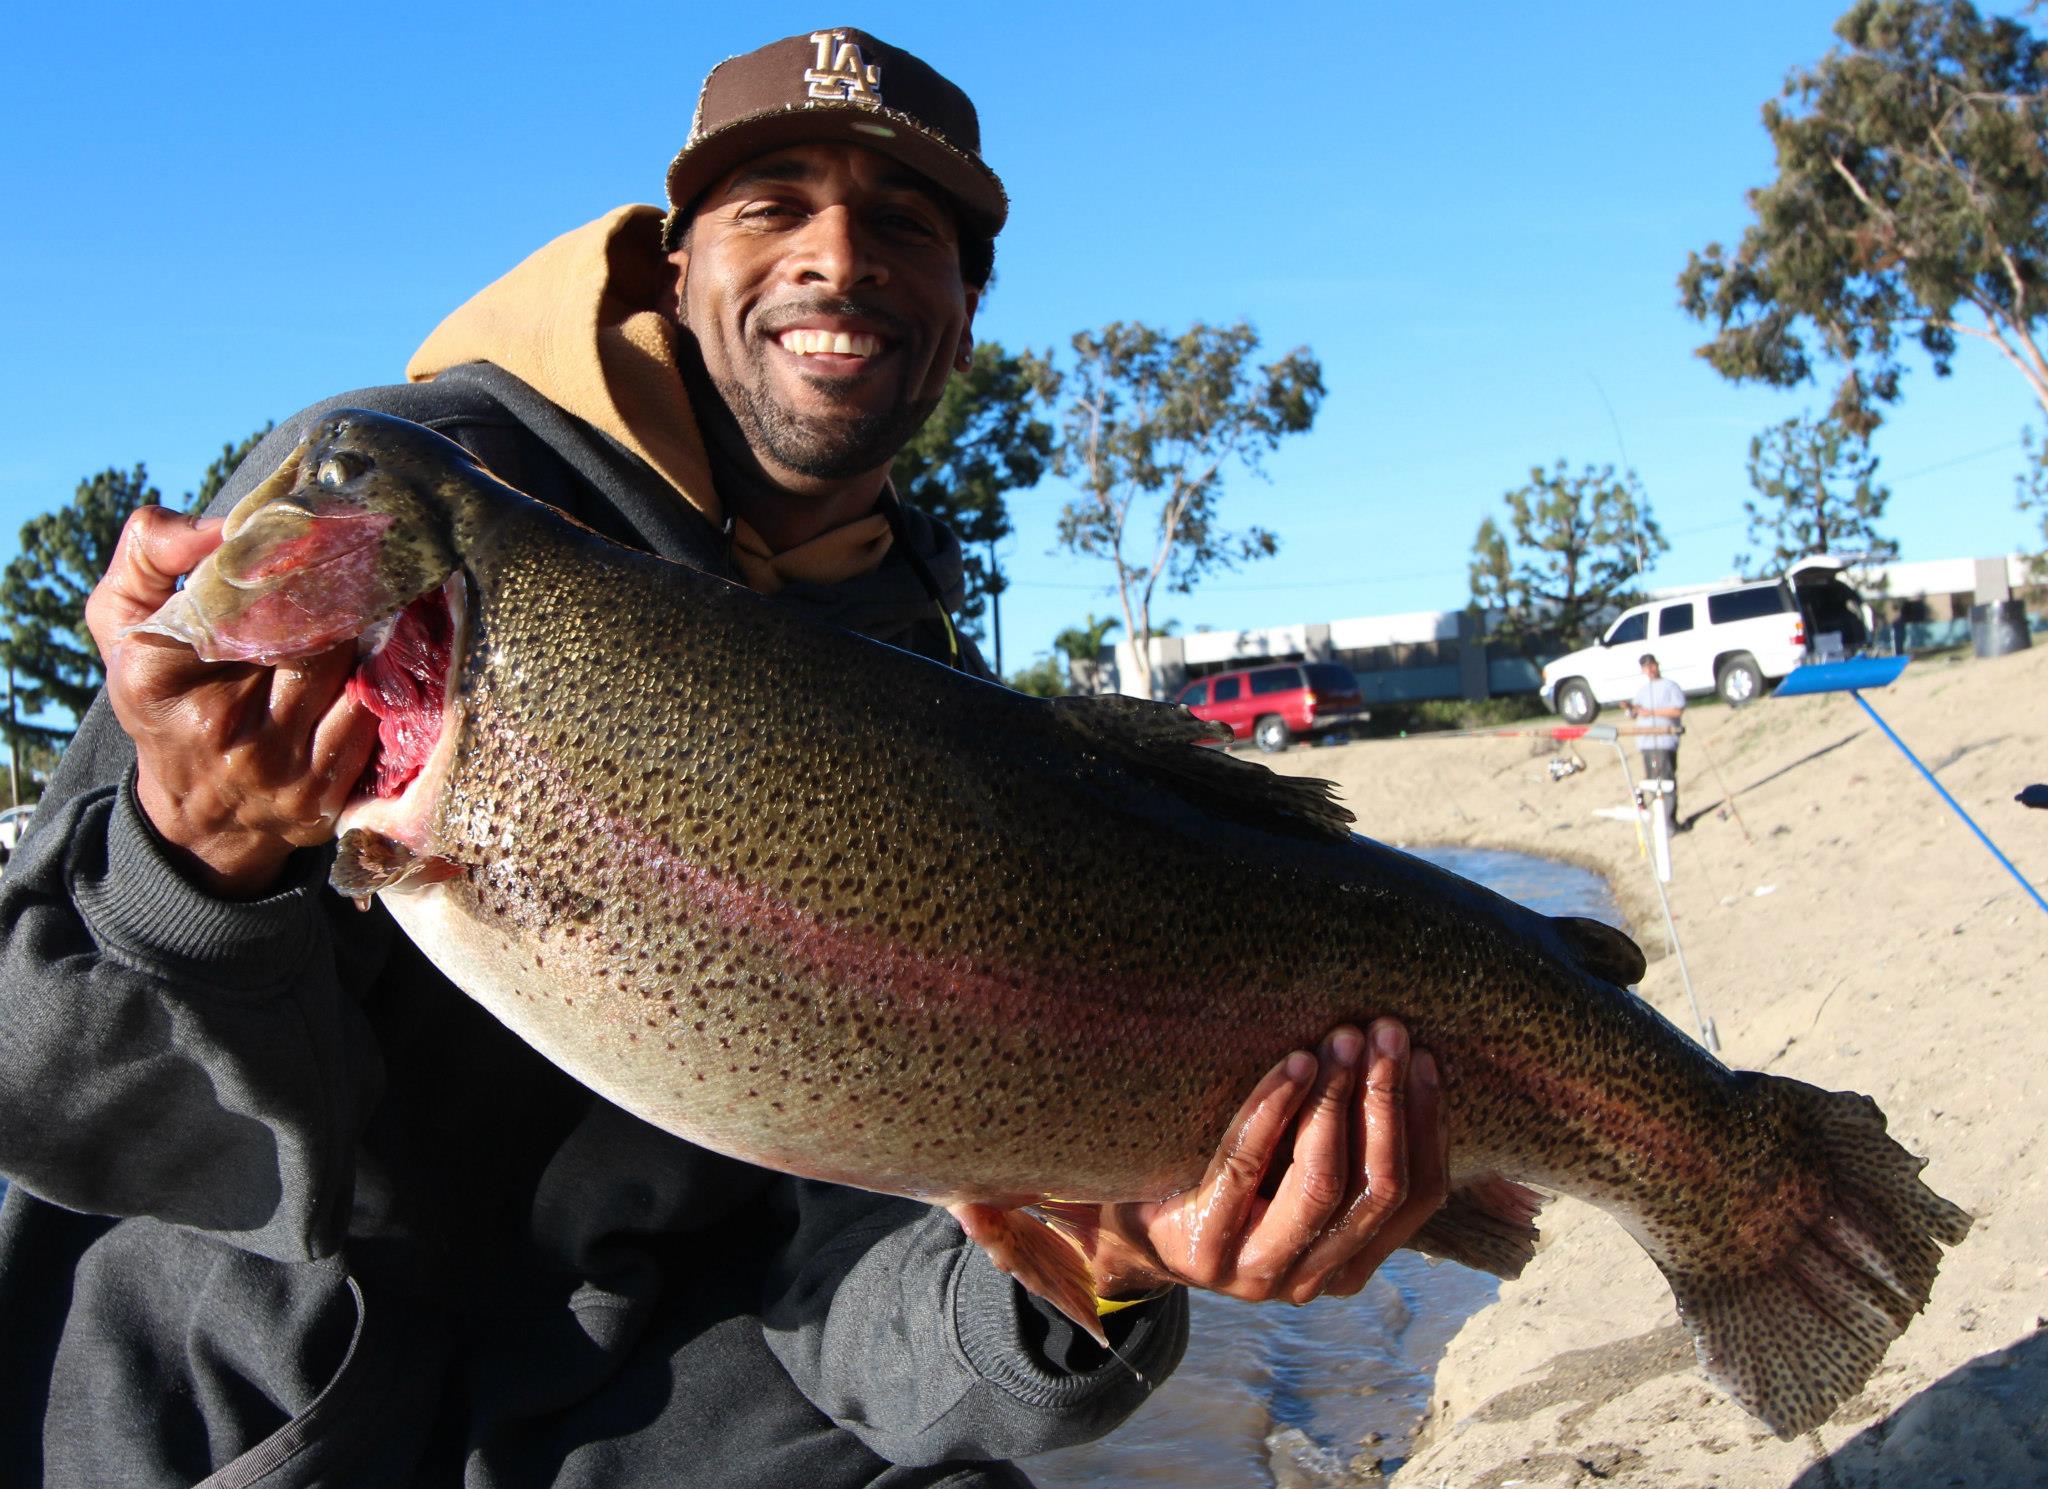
(830, 449)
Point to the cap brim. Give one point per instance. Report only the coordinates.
(972, 186)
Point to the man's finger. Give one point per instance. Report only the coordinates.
(1318, 1174)
(1386, 1118)
(303, 691)
(341, 748)
(155, 548)
(1231, 1185)
(1383, 1119)
(1428, 1143)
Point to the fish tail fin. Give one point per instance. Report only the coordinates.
(1488, 1224)
(1793, 1341)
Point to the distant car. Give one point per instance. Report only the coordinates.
(1277, 704)
(1734, 641)
(13, 823)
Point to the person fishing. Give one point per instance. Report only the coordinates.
(287, 1208)
(1660, 698)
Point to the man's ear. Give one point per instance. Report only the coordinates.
(963, 357)
(679, 263)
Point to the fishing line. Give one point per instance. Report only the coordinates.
(1709, 1035)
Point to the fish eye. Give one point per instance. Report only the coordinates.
(337, 470)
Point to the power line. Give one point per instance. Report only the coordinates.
(1107, 586)
(1711, 527)
(1364, 579)
(1928, 470)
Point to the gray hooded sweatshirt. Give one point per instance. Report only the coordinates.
(285, 1208)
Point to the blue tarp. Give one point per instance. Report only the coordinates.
(1838, 677)
(1876, 672)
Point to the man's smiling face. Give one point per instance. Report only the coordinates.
(822, 287)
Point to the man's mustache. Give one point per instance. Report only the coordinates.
(843, 307)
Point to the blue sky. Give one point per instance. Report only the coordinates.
(1473, 214)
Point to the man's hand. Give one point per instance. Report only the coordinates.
(236, 764)
(1367, 1168)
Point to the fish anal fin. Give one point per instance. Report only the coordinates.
(1602, 950)
(1030, 1250)
(1796, 1338)
(1162, 740)
(1488, 1224)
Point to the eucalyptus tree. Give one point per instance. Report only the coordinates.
(1153, 423)
(1910, 208)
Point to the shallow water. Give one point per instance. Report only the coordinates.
(1316, 1397)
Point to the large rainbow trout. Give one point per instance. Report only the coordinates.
(831, 908)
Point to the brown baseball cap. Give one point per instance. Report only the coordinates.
(832, 85)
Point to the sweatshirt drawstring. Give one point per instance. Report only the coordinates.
(892, 508)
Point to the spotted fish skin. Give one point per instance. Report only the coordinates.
(829, 907)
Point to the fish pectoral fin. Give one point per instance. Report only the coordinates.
(366, 862)
(1602, 950)
(1489, 1225)
(1027, 1248)
(1159, 739)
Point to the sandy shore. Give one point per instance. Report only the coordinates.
(1849, 931)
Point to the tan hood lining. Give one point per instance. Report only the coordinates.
(586, 322)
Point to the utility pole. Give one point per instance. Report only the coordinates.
(13, 744)
(995, 604)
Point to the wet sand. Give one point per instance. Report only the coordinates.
(1849, 931)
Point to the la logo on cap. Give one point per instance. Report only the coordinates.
(842, 74)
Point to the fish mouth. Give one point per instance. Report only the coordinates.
(405, 675)
(292, 576)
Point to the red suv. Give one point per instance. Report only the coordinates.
(1274, 704)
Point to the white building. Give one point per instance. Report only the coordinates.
(1447, 654)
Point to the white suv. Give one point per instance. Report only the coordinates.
(1733, 641)
(13, 823)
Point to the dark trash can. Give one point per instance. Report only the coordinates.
(1999, 628)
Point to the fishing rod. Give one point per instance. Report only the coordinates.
(1660, 833)
(1710, 1035)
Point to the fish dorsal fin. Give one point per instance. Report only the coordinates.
(1164, 741)
(1602, 950)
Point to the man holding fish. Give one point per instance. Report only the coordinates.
(286, 1207)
